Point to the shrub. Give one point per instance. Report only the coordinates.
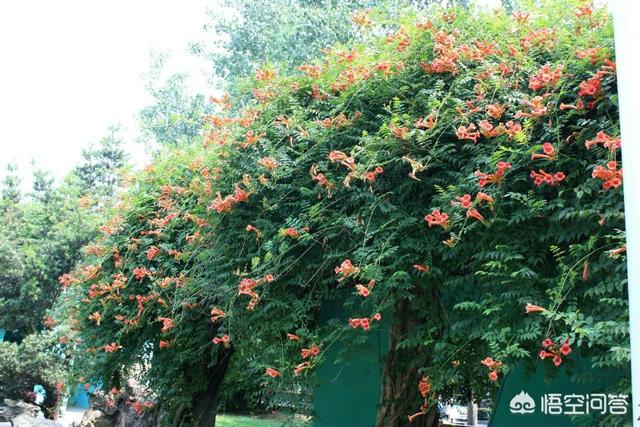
(40, 359)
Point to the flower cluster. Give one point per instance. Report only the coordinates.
(96, 317)
(346, 269)
(112, 348)
(607, 141)
(247, 286)
(221, 205)
(141, 272)
(363, 290)
(548, 153)
(447, 55)
(469, 132)
(425, 123)
(545, 77)
(590, 87)
(273, 373)
(493, 178)
(551, 350)
(364, 322)
(321, 179)
(346, 161)
(221, 340)
(268, 163)
(153, 252)
(67, 280)
(536, 107)
(424, 387)
(312, 351)
(542, 177)
(400, 132)
(437, 218)
(466, 202)
(532, 308)
(494, 366)
(611, 175)
(496, 110)
(216, 314)
(167, 324)
(290, 232)
(421, 268)
(371, 176)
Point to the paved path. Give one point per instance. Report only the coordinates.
(71, 415)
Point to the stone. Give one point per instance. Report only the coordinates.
(23, 414)
(96, 418)
(119, 411)
(48, 423)
(15, 408)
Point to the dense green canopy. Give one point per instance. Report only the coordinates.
(455, 179)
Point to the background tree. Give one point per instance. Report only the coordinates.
(43, 233)
(10, 194)
(100, 170)
(244, 35)
(285, 33)
(40, 359)
(175, 116)
(11, 185)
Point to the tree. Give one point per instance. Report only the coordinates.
(40, 359)
(249, 34)
(284, 33)
(38, 248)
(43, 234)
(11, 277)
(101, 167)
(175, 116)
(457, 178)
(11, 185)
(42, 187)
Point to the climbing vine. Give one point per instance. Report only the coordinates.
(455, 181)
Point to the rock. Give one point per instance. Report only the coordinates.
(23, 414)
(24, 420)
(96, 418)
(16, 408)
(125, 409)
(48, 423)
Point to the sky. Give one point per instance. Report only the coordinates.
(71, 68)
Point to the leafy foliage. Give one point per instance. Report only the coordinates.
(445, 176)
(42, 233)
(175, 117)
(41, 358)
(100, 171)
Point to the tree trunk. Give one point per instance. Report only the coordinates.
(51, 404)
(205, 405)
(399, 395)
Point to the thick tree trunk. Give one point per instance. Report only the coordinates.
(51, 404)
(399, 395)
(206, 403)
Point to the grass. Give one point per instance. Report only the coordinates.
(247, 421)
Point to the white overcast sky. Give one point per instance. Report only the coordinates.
(70, 68)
